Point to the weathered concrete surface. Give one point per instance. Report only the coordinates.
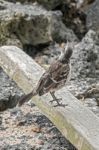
(74, 121)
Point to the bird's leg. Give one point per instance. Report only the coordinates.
(56, 99)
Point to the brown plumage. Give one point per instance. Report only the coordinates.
(54, 78)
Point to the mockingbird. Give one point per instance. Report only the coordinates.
(54, 78)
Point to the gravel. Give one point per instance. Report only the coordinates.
(26, 128)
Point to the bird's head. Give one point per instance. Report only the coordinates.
(66, 52)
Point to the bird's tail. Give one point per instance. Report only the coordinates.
(26, 98)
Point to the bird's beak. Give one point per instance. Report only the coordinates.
(67, 45)
(62, 45)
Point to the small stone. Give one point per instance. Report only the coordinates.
(40, 142)
(36, 129)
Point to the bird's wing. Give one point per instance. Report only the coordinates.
(59, 71)
(56, 73)
(44, 82)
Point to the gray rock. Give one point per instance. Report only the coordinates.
(32, 24)
(81, 4)
(9, 92)
(92, 16)
(85, 71)
(17, 147)
(0, 120)
(85, 60)
(52, 4)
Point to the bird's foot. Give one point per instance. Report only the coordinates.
(57, 100)
(60, 104)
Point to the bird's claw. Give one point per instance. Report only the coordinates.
(58, 102)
